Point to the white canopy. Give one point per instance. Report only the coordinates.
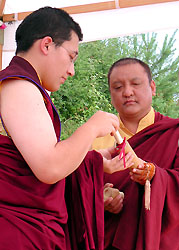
(99, 19)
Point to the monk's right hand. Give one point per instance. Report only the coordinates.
(103, 123)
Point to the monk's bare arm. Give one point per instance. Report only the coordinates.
(30, 126)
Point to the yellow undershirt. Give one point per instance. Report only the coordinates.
(109, 141)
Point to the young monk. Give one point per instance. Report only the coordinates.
(33, 161)
(154, 138)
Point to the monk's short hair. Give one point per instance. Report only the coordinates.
(130, 60)
(46, 21)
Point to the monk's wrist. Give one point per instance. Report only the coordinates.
(148, 172)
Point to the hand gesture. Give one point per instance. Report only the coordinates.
(113, 203)
(143, 172)
(103, 123)
(117, 164)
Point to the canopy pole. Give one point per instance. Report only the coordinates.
(0, 56)
(1, 46)
(2, 5)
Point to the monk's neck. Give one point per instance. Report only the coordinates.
(131, 127)
(131, 124)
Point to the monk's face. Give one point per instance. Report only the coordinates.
(59, 63)
(131, 91)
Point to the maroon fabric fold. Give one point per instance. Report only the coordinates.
(135, 228)
(33, 215)
(84, 194)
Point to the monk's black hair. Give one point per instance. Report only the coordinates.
(130, 60)
(46, 21)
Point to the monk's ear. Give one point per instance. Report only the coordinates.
(45, 44)
(153, 87)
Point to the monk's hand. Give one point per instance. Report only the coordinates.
(108, 153)
(117, 164)
(143, 172)
(114, 203)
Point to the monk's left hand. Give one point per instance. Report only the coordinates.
(143, 172)
(117, 164)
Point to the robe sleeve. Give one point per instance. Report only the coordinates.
(161, 227)
(84, 196)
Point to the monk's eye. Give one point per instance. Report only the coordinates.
(136, 83)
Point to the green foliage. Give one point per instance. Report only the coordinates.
(81, 96)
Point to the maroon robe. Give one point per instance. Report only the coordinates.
(33, 215)
(136, 228)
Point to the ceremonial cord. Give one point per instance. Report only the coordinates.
(121, 148)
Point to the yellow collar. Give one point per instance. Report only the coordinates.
(144, 122)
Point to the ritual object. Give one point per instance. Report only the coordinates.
(137, 161)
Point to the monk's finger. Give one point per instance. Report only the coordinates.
(108, 185)
(115, 205)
